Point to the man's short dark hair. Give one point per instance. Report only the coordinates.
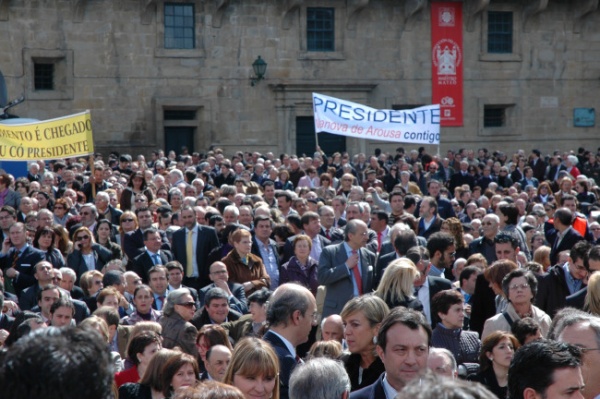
(215, 293)
(63, 303)
(212, 221)
(10, 210)
(149, 231)
(308, 217)
(262, 218)
(581, 251)
(261, 296)
(112, 277)
(288, 197)
(564, 216)
(439, 242)
(524, 328)
(506, 238)
(47, 287)
(467, 272)
(594, 253)
(381, 215)
(409, 318)
(405, 240)
(511, 212)
(534, 364)
(443, 301)
(53, 363)
(172, 265)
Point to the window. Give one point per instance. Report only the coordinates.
(43, 76)
(179, 26)
(320, 29)
(500, 32)
(494, 116)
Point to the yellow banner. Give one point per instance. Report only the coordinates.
(65, 137)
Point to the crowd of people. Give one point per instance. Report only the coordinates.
(325, 275)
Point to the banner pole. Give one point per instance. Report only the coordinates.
(316, 140)
(92, 168)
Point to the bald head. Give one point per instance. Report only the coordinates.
(332, 328)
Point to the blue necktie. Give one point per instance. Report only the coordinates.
(157, 260)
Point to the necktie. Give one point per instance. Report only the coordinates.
(379, 234)
(189, 250)
(156, 258)
(417, 290)
(15, 258)
(161, 298)
(357, 276)
(327, 234)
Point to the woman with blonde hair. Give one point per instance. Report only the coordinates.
(362, 317)
(397, 285)
(87, 255)
(254, 369)
(542, 256)
(592, 298)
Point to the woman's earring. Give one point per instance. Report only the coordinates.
(374, 340)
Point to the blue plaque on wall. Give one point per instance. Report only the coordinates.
(584, 117)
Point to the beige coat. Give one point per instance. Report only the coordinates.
(499, 322)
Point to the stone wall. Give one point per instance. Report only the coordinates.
(112, 62)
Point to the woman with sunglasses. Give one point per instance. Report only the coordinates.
(136, 185)
(61, 212)
(87, 255)
(177, 329)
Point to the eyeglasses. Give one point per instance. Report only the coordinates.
(127, 220)
(219, 272)
(140, 200)
(86, 213)
(188, 304)
(58, 207)
(82, 238)
(517, 286)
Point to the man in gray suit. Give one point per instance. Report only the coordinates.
(346, 269)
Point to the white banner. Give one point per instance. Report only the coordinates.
(419, 125)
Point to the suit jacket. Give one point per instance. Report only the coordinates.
(113, 215)
(25, 265)
(382, 263)
(288, 247)
(201, 317)
(13, 199)
(133, 243)
(28, 298)
(334, 274)
(143, 262)
(76, 262)
(6, 322)
(458, 179)
(287, 363)
(552, 290)
(434, 227)
(570, 238)
(373, 391)
(336, 235)
(256, 250)
(577, 300)
(237, 302)
(207, 240)
(483, 304)
(437, 284)
(539, 169)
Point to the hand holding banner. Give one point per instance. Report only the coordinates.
(419, 125)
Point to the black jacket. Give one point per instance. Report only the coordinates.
(552, 291)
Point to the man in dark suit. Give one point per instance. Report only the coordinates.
(220, 279)
(43, 276)
(18, 258)
(8, 216)
(563, 280)
(577, 300)
(427, 286)
(6, 321)
(217, 360)
(106, 210)
(537, 164)
(203, 239)
(429, 222)
(291, 315)
(152, 254)
(175, 278)
(328, 230)
(133, 242)
(461, 177)
(562, 237)
(406, 329)
(311, 226)
(346, 269)
(405, 239)
(266, 248)
(555, 167)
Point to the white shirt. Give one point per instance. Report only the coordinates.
(194, 245)
(287, 343)
(423, 296)
(390, 392)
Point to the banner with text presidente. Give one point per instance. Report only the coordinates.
(419, 125)
(65, 137)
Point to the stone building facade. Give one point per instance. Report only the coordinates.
(158, 73)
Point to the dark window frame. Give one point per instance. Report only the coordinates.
(180, 26)
(320, 29)
(43, 76)
(494, 116)
(500, 33)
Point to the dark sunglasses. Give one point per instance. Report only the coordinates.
(83, 238)
(140, 200)
(127, 220)
(188, 304)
